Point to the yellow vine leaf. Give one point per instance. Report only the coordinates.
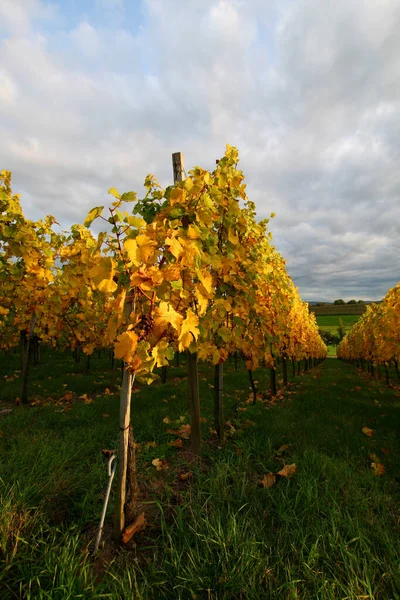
(131, 248)
(126, 345)
(162, 353)
(189, 330)
(167, 315)
(177, 196)
(102, 275)
(92, 215)
(175, 247)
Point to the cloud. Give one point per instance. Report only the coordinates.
(308, 93)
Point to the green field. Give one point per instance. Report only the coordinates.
(332, 321)
(338, 309)
(332, 531)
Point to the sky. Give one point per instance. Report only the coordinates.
(98, 93)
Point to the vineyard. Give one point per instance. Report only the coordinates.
(236, 475)
(374, 341)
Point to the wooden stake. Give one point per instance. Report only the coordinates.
(284, 370)
(194, 406)
(193, 371)
(27, 353)
(272, 372)
(177, 166)
(253, 386)
(219, 402)
(124, 424)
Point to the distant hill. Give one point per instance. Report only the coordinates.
(338, 309)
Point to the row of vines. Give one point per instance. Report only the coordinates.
(188, 269)
(374, 341)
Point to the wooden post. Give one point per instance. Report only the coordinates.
(218, 402)
(194, 406)
(25, 370)
(272, 372)
(22, 338)
(284, 371)
(253, 386)
(193, 370)
(177, 166)
(124, 424)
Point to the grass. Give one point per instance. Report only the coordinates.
(330, 532)
(333, 320)
(331, 323)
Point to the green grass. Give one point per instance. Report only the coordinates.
(330, 532)
(325, 321)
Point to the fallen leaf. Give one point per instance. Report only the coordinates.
(105, 416)
(282, 449)
(176, 443)
(287, 471)
(166, 420)
(184, 476)
(107, 392)
(160, 465)
(377, 466)
(369, 432)
(184, 431)
(385, 451)
(203, 420)
(243, 408)
(150, 445)
(357, 388)
(268, 480)
(165, 401)
(107, 453)
(7, 411)
(136, 527)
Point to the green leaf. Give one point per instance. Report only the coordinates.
(135, 221)
(176, 285)
(177, 212)
(114, 192)
(129, 197)
(92, 215)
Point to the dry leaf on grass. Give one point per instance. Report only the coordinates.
(376, 466)
(177, 443)
(287, 471)
(184, 476)
(281, 450)
(369, 432)
(160, 465)
(136, 527)
(268, 480)
(107, 453)
(150, 445)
